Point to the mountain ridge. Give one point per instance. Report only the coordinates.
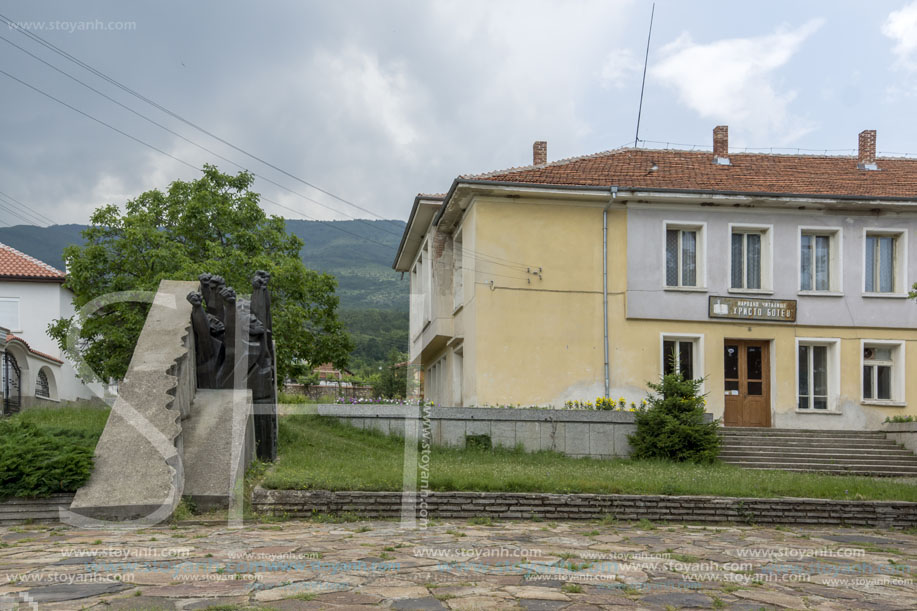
(358, 253)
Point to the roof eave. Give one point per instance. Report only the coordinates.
(397, 264)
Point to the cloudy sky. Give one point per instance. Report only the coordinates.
(375, 101)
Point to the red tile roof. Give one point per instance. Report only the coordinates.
(629, 168)
(18, 265)
(11, 337)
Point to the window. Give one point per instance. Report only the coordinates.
(883, 369)
(682, 256)
(682, 353)
(436, 378)
(813, 377)
(817, 374)
(9, 313)
(427, 271)
(883, 268)
(819, 260)
(42, 387)
(457, 278)
(750, 259)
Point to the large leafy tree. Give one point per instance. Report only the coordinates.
(212, 224)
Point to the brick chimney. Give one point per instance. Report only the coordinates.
(540, 152)
(721, 145)
(866, 153)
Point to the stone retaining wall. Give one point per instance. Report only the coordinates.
(507, 505)
(599, 434)
(20, 510)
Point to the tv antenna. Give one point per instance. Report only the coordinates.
(643, 84)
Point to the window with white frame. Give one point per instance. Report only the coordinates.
(883, 371)
(683, 255)
(750, 258)
(426, 269)
(817, 374)
(884, 262)
(682, 353)
(9, 313)
(819, 260)
(435, 382)
(457, 276)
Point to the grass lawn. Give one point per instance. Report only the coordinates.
(80, 423)
(323, 454)
(49, 449)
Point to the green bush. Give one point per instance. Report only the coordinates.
(673, 427)
(39, 462)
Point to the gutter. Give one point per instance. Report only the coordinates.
(614, 194)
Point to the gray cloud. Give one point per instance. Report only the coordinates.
(375, 100)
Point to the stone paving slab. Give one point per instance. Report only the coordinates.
(574, 566)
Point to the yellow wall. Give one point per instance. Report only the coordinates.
(539, 341)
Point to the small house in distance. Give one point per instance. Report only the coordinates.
(780, 280)
(33, 368)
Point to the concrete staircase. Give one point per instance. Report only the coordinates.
(834, 452)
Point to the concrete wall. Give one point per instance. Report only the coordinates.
(579, 433)
(904, 433)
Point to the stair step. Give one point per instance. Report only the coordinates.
(824, 460)
(906, 474)
(761, 431)
(790, 441)
(810, 451)
(807, 466)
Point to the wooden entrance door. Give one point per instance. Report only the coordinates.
(746, 365)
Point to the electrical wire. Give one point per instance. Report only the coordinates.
(163, 109)
(188, 140)
(41, 218)
(182, 161)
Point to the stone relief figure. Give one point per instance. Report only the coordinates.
(234, 348)
(207, 347)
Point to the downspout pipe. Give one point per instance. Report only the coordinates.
(614, 194)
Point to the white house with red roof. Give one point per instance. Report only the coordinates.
(33, 369)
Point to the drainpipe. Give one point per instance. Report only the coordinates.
(614, 194)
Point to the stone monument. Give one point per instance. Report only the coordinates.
(234, 349)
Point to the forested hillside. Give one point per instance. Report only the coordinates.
(373, 297)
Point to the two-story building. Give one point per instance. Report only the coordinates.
(781, 280)
(33, 369)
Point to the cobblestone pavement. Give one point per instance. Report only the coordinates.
(457, 565)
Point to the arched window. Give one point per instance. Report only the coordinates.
(42, 388)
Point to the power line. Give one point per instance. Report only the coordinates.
(174, 133)
(88, 116)
(182, 161)
(158, 106)
(41, 218)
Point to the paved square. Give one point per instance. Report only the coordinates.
(457, 565)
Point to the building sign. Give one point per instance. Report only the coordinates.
(751, 308)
